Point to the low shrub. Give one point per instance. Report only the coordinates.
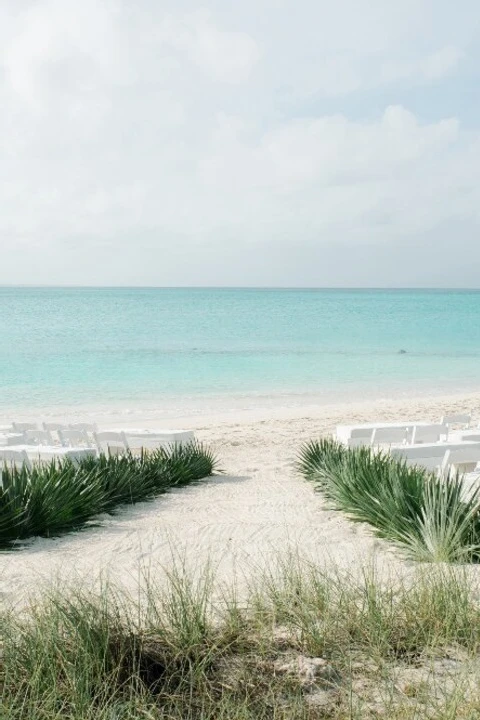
(51, 499)
(430, 517)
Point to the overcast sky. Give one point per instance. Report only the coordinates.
(252, 142)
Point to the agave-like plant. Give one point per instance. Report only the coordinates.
(53, 498)
(430, 517)
(448, 528)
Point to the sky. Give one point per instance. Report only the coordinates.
(252, 143)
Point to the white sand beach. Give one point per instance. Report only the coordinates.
(240, 520)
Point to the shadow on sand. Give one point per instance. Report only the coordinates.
(124, 519)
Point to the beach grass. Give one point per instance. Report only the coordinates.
(61, 496)
(305, 644)
(431, 518)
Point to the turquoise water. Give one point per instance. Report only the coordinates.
(66, 347)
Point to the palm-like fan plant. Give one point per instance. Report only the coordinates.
(431, 517)
(50, 499)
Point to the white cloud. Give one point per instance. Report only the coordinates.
(223, 55)
(58, 47)
(442, 62)
(132, 135)
(422, 69)
(334, 173)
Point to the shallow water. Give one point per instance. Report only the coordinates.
(136, 347)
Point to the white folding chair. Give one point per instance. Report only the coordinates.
(14, 458)
(37, 437)
(86, 427)
(22, 426)
(430, 458)
(388, 436)
(54, 429)
(436, 465)
(411, 452)
(462, 460)
(428, 433)
(472, 437)
(111, 443)
(359, 437)
(138, 442)
(151, 440)
(74, 438)
(461, 420)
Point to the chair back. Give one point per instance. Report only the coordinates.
(463, 459)
(20, 427)
(436, 465)
(407, 452)
(433, 462)
(428, 433)
(37, 437)
(111, 443)
(148, 441)
(54, 429)
(463, 419)
(473, 437)
(86, 427)
(74, 438)
(14, 458)
(389, 435)
(359, 437)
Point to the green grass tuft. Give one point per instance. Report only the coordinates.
(386, 648)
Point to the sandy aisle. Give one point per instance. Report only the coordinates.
(240, 520)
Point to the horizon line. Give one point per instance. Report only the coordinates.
(234, 287)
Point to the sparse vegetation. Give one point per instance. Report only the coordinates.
(305, 645)
(52, 499)
(432, 519)
(301, 644)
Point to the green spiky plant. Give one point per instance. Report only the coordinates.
(60, 496)
(430, 517)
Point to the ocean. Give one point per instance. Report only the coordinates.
(146, 347)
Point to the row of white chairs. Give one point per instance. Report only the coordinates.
(458, 457)
(51, 428)
(51, 434)
(409, 434)
(401, 435)
(65, 437)
(108, 442)
(22, 426)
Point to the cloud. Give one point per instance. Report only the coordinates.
(56, 47)
(329, 150)
(441, 62)
(332, 179)
(223, 55)
(147, 143)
